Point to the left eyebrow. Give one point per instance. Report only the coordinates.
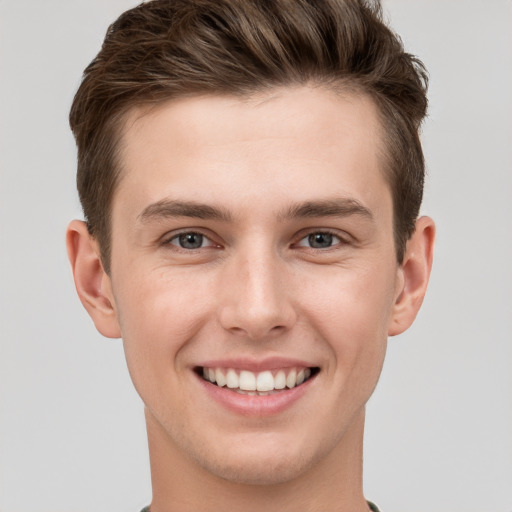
(338, 207)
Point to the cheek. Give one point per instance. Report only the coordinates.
(159, 316)
(353, 301)
(351, 312)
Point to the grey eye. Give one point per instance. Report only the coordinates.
(320, 240)
(189, 240)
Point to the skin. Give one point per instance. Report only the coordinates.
(256, 289)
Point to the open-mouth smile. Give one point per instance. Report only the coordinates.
(262, 383)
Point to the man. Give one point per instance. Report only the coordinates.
(251, 177)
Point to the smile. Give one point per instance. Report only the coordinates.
(257, 383)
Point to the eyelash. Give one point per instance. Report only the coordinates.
(323, 232)
(177, 237)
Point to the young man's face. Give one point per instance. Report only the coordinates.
(253, 239)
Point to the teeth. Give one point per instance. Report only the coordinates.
(291, 379)
(280, 380)
(220, 378)
(247, 381)
(232, 379)
(265, 381)
(262, 383)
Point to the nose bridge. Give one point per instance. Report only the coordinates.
(256, 302)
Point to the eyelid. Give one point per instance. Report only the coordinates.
(206, 242)
(168, 238)
(344, 238)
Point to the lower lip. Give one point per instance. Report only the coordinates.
(250, 405)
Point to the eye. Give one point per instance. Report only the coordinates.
(191, 241)
(320, 240)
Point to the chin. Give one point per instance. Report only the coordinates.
(257, 465)
(257, 472)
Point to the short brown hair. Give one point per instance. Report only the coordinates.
(166, 49)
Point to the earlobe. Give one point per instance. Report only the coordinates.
(92, 283)
(415, 273)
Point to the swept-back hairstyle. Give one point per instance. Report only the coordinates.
(166, 49)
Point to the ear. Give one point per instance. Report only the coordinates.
(414, 275)
(92, 283)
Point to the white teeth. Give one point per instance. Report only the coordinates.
(280, 380)
(220, 377)
(265, 381)
(232, 379)
(262, 383)
(247, 381)
(291, 379)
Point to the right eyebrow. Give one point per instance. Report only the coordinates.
(167, 208)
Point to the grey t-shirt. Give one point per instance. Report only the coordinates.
(373, 508)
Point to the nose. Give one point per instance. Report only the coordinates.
(256, 296)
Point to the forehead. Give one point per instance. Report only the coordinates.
(298, 141)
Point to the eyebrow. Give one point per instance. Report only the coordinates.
(168, 208)
(338, 207)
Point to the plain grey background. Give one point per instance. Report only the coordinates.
(439, 428)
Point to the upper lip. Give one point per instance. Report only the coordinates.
(256, 365)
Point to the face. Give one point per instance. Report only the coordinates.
(254, 276)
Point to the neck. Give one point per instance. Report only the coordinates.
(332, 484)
